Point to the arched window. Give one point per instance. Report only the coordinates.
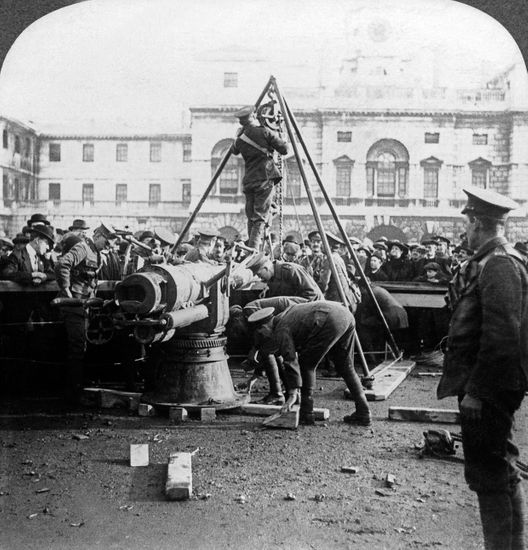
(229, 182)
(387, 169)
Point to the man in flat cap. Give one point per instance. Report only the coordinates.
(314, 263)
(486, 364)
(77, 272)
(302, 335)
(284, 278)
(256, 145)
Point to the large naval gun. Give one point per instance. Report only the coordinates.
(179, 313)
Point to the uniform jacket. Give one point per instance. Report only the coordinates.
(313, 265)
(298, 328)
(19, 268)
(78, 270)
(291, 279)
(254, 159)
(329, 285)
(487, 346)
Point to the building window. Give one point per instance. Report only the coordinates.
(5, 139)
(5, 190)
(344, 137)
(430, 182)
(230, 80)
(187, 151)
(343, 166)
(28, 147)
(154, 193)
(88, 152)
(17, 144)
(88, 193)
(230, 178)
(479, 172)
(386, 175)
(155, 152)
(54, 193)
(431, 167)
(480, 139)
(54, 152)
(186, 190)
(121, 152)
(432, 137)
(121, 193)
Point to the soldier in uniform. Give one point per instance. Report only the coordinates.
(284, 278)
(77, 273)
(256, 144)
(314, 263)
(302, 335)
(328, 283)
(203, 249)
(486, 364)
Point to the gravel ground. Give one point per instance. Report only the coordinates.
(61, 491)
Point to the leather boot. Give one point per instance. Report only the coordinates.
(517, 503)
(306, 414)
(496, 518)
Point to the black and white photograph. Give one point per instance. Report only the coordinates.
(263, 274)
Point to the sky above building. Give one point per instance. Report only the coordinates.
(136, 65)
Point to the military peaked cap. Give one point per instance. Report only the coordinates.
(314, 236)
(333, 239)
(483, 202)
(244, 112)
(261, 316)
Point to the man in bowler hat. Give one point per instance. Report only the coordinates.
(486, 364)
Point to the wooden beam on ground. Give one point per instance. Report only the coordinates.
(179, 477)
(108, 399)
(386, 380)
(288, 420)
(416, 414)
(259, 409)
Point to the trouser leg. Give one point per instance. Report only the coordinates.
(517, 504)
(496, 518)
(258, 211)
(491, 471)
(307, 402)
(74, 321)
(272, 372)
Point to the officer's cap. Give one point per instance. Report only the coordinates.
(105, 231)
(208, 235)
(165, 236)
(333, 239)
(244, 112)
(314, 236)
(354, 240)
(78, 225)
(483, 202)
(261, 316)
(442, 239)
(258, 261)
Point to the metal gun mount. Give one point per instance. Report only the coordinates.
(180, 312)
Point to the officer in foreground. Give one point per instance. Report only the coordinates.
(302, 335)
(486, 364)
